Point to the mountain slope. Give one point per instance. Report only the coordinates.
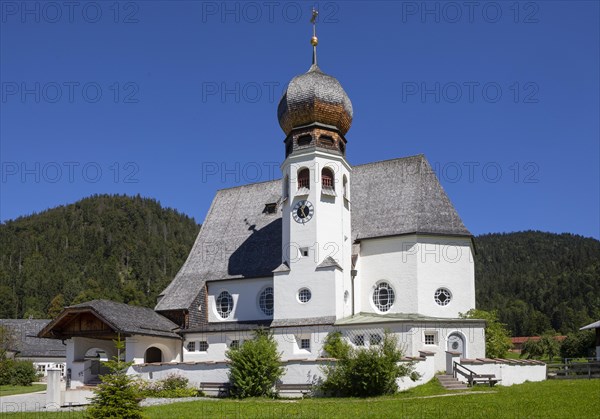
(129, 248)
(539, 281)
(105, 246)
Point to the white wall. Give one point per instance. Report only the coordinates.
(245, 293)
(508, 373)
(296, 372)
(416, 266)
(327, 234)
(445, 262)
(411, 337)
(287, 338)
(391, 260)
(136, 347)
(324, 285)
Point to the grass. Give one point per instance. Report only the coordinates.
(548, 399)
(11, 390)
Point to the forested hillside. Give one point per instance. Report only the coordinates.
(539, 281)
(118, 247)
(129, 248)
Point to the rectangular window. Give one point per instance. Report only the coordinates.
(235, 344)
(359, 340)
(191, 346)
(429, 338)
(203, 346)
(375, 339)
(305, 344)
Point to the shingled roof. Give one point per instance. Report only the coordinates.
(119, 317)
(238, 240)
(26, 343)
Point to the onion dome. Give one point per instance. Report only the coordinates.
(314, 97)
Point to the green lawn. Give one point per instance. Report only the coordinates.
(10, 390)
(549, 399)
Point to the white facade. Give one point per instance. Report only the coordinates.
(306, 243)
(416, 266)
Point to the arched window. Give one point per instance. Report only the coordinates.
(304, 178)
(327, 178)
(345, 186)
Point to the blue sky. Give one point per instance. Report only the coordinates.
(176, 99)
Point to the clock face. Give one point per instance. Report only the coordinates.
(303, 211)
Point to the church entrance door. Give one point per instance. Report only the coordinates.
(456, 343)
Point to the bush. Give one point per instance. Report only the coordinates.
(578, 345)
(364, 372)
(6, 371)
(497, 341)
(17, 373)
(173, 386)
(24, 373)
(546, 346)
(255, 366)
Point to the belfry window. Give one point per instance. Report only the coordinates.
(304, 178)
(327, 141)
(304, 140)
(327, 179)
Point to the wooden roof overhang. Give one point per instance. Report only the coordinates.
(81, 322)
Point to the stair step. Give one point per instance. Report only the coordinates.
(451, 383)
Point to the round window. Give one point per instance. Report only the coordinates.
(442, 296)
(224, 304)
(304, 295)
(265, 301)
(383, 296)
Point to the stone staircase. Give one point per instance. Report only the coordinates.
(451, 383)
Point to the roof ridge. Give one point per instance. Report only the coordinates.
(421, 155)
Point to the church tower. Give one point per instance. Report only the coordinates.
(314, 279)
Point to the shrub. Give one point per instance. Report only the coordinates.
(24, 373)
(17, 373)
(6, 371)
(578, 345)
(173, 386)
(117, 396)
(255, 366)
(497, 341)
(545, 346)
(364, 372)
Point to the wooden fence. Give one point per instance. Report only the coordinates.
(573, 370)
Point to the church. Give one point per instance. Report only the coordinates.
(327, 247)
